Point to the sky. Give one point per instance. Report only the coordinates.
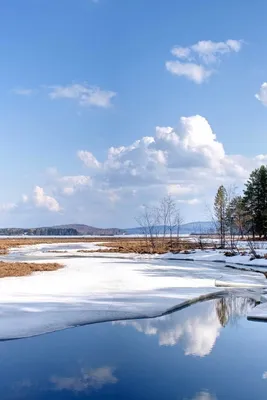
(110, 105)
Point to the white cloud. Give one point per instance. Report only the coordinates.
(87, 380)
(23, 92)
(210, 51)
(178, 190)
(74, 183)
(264, 375)
(194, 72)
(42, 200)
(262, 95)
(196, 57)
(85, 95)
(181, 52)
(176, 160)
(5, 207)
(88, 159)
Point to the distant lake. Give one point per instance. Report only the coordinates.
(205, 352)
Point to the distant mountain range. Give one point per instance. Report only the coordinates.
(84, 230)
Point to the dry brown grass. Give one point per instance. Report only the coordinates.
(7, 243)
(142, 246)
(115, 244)
(8, 269)
(3, 251)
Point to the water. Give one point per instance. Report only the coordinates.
(208, 351)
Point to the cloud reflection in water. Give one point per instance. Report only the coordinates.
(92, 379)
(198, 328)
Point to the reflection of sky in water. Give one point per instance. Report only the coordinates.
(88, 379)
(198, 328)
(205, 352)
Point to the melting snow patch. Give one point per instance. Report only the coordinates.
(94, 289)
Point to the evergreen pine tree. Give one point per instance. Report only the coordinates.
(220, 211)
(255, 201)
(237, 216)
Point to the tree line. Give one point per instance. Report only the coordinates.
(243, 215)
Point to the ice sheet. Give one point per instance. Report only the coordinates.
(74, 250)
(94, 289)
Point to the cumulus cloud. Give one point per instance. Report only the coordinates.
(174, 160)
(85, 95)
(194, 61)
(264, 375)
(42, 200)
(194, 72)
(73, 183)
(92, 379)
(150, 159)
(262, 95)
(210, 51)
(88, 159)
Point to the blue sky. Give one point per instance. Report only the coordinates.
(80, 77)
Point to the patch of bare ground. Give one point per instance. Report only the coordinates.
(8, 269)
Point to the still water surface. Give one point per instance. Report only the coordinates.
(205, 352)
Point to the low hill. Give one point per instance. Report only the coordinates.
(91, 230)
(62, 230)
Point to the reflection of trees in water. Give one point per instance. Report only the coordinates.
(230, 309)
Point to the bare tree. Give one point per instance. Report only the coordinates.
(171, 219)
(148, 220)
(179, 222)
(251, 246)
(166, 217)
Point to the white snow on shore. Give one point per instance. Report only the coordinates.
(101, 286)
(77, 250)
